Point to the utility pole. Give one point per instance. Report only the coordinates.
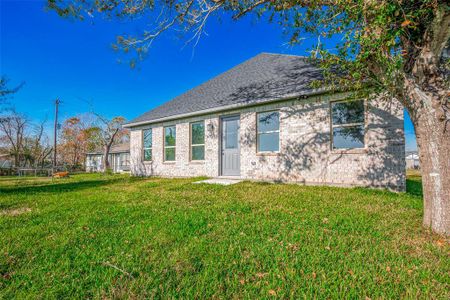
(55, 132)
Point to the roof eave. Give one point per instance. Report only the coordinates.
(101, 153)
(226, 108)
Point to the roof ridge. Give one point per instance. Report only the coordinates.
(214, 77)
(218, 75)
(263, 76)
(233, 68)
(283, 54)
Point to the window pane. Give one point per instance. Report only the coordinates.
(348, 137)
(231, 140)
(198, 133)
(269, 121)
(170, 135)
(198, 152)
(147, 154)
(231, 134)
(268, 141)
(124, 159)
(169, 154)
(147, 138)
(347, 112)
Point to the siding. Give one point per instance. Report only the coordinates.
(305, 153)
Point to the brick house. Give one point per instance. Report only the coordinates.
(261, 120)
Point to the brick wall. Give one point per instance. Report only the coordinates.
(305, 153)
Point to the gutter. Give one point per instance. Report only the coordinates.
(225, 108)
(101, 153)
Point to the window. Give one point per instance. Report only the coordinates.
(89, 161)
(347, 121)
(198, 141)
(147, 142)
(169, 143)
(97, 160)
(231, 132)
(268, 138)
(124, 159)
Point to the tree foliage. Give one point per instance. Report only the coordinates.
(383, 44)
(24, 140)
(378, 38)
(110, 133)
(78, 136)
(397, 47)
(6, 91)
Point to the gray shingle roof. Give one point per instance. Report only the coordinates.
(265, 77)
(119, 148)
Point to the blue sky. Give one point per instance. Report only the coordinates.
(74, 61)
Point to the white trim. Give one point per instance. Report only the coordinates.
(258, 133)
(226, 107)
(347, 125)
(191, 145)
(169, 147)
(147, 148)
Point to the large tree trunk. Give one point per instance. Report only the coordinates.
(433, 140)
(434, 151)
(426, 96)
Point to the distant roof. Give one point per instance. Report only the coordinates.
(412, 155)
(119, 148)
(263, 78)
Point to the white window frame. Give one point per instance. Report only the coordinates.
(147, 148)
(265, 132)
(355, 124)
(124, 159)
(169, 147)
(193, 145)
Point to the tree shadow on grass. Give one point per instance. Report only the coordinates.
(57, 187)
(414, 187)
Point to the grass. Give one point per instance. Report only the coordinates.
(95, 236)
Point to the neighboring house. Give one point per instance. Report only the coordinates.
(412, 160)
(261, 120)
(6, 161)
(119, 159)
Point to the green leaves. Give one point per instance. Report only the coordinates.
(377, 39)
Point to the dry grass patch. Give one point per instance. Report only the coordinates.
(14, 211)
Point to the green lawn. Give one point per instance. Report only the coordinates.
(95, 236)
